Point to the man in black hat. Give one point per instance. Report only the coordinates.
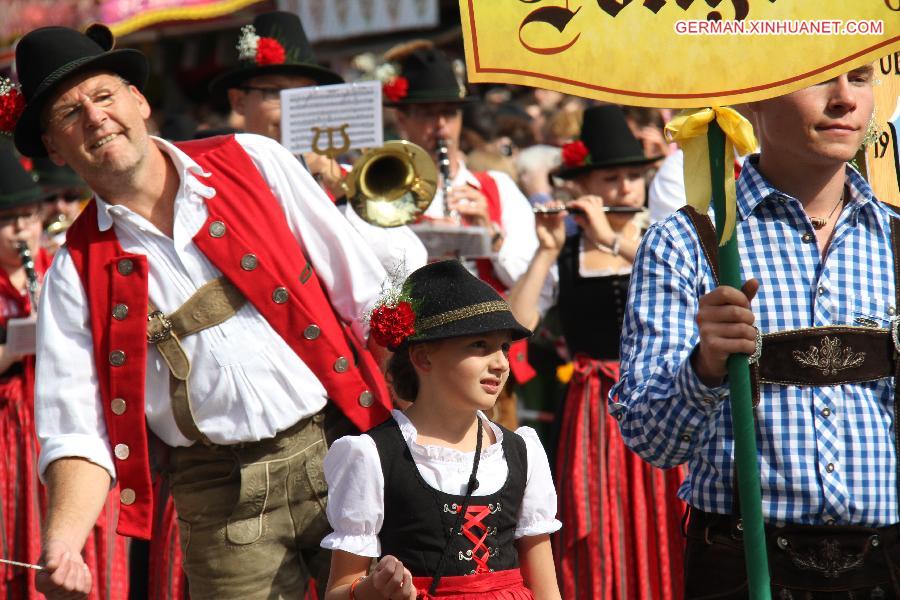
(255, 287)
(254, 91)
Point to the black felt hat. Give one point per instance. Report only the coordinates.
(47, 57)
(269, 28)
(53, 178)
(608, 140)
(17, 186)
(451, 302)
(430, 78)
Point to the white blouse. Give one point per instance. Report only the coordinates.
(356, 484)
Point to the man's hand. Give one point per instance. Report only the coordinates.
(65, 576)
(471, 205)
(392, 580)
(726, 327)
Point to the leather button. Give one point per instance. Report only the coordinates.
(312, 332)
(821, 290)
(125, 266)
(120, 311)
(127, 496)
(122, 451)
(217, 229)
(117, 358)
(807, 238)
(249, 262)
(341, 364)
(118, 406)
(826, 412)
(366, 399)
(830, 467)
(280, 295)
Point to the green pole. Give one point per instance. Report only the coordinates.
(741, 405)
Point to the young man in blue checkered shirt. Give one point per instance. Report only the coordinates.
(817, 251)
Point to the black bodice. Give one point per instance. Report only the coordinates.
(591, 309)
(418, 517)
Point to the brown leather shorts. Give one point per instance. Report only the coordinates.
(805, 561)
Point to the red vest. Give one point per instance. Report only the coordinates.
(283, 286)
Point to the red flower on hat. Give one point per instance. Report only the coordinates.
(396, 89)
(392, 324)
(575, 154)
(269, 51)
(12, 103)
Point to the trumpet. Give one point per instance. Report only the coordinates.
(392, 185)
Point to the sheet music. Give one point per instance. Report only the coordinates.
(21, 336)
(343, 117)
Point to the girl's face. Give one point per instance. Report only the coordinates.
(469, 371)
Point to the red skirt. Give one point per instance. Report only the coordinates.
(500, 585)
(621, 535)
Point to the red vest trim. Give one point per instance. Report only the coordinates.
(283, 287)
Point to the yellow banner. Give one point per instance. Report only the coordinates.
(674, 53)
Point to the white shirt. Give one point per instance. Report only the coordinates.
(666, 193)
(398, 249)
(246, 383)
(516, 220)
(355, 506)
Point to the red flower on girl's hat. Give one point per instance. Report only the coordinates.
(396, 89)
(575, 154)
(269, 51)
(12, 103)
(392, 324)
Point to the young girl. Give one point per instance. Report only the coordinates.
(453, 505)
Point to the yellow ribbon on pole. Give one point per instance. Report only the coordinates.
(688, 129)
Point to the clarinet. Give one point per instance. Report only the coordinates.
(30, 274)
(444, 165)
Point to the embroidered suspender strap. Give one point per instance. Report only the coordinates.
(895, 327)
(214, 303)
(708, 239)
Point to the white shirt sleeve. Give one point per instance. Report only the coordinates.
(520, 240)
(398, 249)
(666, 194)
(68, 411)
(537, 513)
(347, 268)
(355, 507)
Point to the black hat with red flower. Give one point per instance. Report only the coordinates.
(438, 301)
(605, 141)
(420, 74)
(275, 44)
(49, 56)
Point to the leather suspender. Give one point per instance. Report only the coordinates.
(873, 353)
(215, 302)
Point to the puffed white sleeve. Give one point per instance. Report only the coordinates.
(355, 496)
(537, 513)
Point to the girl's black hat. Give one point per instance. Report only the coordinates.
(286, 30)
(451, 302)
(608, 142)
(17, 187)
(47, 57)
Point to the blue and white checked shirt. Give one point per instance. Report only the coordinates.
(826, 453)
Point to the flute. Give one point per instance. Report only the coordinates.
(30, 274)
(553, 210)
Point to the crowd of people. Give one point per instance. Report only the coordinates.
(238, 387)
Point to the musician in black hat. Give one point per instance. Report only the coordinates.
(587, 275)
(255, 287)
(254, 89)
